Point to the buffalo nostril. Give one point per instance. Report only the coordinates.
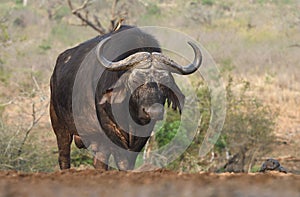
(156, 111)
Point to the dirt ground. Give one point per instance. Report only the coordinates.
(156, 183)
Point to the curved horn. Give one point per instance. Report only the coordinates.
(124, 64)
(184, 70)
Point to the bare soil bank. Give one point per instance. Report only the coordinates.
(156, 183)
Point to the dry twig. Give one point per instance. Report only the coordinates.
(115, 21)
(76, 12)
(36, 114)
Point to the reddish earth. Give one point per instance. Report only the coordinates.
(156, 183)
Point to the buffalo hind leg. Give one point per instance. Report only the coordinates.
(64, 141)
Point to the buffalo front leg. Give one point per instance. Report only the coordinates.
(64, 141)
(100, 158)
(100, 161)
(125, 161)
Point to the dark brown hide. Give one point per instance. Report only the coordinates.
(110, 94)
(61, 85)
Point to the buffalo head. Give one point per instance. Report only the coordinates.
(147, 82)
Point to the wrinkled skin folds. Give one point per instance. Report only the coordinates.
(139, 82)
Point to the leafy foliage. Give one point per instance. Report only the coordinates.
(249, 125)
(208, 2)
(33, 158)
(4, 35)
(167, 133)
(249, 121)
(80, 157)
(248, 131)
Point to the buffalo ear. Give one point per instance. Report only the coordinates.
(116, 96)
(175, 97)
(119, 95)
(106, 98)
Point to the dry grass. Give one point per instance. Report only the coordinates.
(257, 41)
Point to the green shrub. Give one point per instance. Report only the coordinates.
(248, 129)
(167, 133)
(33, 157)
(249, 125)
(4, 35)
(208, 2)
(44, 46)
(4, 74)
(19, 1)
(169, 129)
(81, 157)
(189, 160)
(255, 168)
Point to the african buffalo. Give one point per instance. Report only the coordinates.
(135, 78)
